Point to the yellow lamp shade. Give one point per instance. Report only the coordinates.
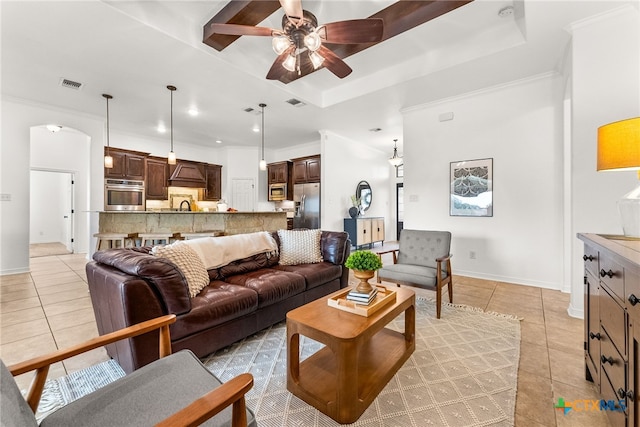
(619, 145)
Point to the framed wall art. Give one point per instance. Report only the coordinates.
(471, 188)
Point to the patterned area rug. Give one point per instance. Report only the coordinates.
(463, 373)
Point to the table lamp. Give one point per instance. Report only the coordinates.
(619, 150)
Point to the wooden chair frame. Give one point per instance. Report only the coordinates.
(230, 393)
(440, 281)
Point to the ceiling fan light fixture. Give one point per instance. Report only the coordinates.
(316, 59)
(312, 41)
(280, 44)
(289, 63)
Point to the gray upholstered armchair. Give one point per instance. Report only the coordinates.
(176, 390)
(422, 260)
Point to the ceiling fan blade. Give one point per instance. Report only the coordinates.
(333, 63)
(353, 31)
(240, 30)
(293, 9)
(277, 71)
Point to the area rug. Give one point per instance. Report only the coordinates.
(462, 373)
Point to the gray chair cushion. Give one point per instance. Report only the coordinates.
(14, 410)
(420, 247)
(146, 396)
(414, 274)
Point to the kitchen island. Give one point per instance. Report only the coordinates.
(172, 222)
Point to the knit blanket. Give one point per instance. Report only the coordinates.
(219, 251)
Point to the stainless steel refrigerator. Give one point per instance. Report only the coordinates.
(306, 198)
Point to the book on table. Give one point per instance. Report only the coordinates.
(362, 298)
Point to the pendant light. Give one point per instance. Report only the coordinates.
(171, 159)
(263, 164)
(108, 160)
(395, 160)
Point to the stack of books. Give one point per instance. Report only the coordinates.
(362, 298)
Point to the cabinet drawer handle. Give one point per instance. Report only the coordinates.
(594, 336)
(606, 273)
(633, 300)
(585, 257)
(622, 393)
(605, 359)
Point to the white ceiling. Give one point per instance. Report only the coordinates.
(134, 49)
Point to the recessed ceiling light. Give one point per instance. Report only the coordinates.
(256, 129)
(54, 128)
(193, 111)
(218, 141)
(161, 128)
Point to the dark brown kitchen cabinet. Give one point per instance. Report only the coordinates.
(157, 182)
(306, 170)
(213, 177)
(278, 173)
(126, 164)
(612, 332)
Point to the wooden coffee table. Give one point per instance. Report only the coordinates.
(359, 358)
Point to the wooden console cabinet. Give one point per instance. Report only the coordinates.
(612, 322)
(364, 231)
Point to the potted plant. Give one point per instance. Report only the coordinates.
(364, 265)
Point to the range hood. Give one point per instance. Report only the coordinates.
(188, 175)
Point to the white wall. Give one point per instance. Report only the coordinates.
(605, 88)
(519, 126)
(52, 151)
(17, 120)
(344, 164)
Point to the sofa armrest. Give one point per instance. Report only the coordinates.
(166, 278)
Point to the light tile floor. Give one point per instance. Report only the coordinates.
(50, 308)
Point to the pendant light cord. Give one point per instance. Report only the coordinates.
(262, 107)
(107, 97)
(171, 119)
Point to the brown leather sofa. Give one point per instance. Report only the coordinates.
(129, 286)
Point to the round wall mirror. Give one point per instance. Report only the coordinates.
(363, 192)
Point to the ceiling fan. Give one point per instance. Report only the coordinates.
(299, 44)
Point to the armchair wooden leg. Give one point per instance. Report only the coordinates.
(438, 299)
(450, 288)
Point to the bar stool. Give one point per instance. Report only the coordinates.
(198, 234)
(154, 238)
(112, 239)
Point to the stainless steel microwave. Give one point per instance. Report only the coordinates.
(277, 192)
(124, 195)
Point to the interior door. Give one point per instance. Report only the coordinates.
(242, 194)
(51, 207)
(399, 208)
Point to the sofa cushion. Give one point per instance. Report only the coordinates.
(161, 273)
(315, 274)
(299, 246)
(217, 303)
(245, 265)
(189, 263)
(271, 285)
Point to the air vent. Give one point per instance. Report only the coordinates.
(251, 110)
(70, 84)
(295, 102)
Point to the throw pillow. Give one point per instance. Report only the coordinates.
(299, 247)
(188, 262)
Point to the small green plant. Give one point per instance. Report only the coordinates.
(363, 261)
(355, 201)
